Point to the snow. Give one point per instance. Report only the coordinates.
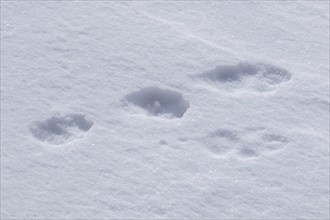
(164, 109)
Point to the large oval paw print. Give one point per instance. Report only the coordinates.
(158, 101)
(259, 77)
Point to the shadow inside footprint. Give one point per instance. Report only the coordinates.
(224, 133)
(58, 129)
(247, 152)
(274, 141)
(273, 138)
(218, 149)
(158, 101)
(230, 73)
(220, 142)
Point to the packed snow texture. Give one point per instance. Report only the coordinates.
(140, 109)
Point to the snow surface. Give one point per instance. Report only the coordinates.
(164, 109)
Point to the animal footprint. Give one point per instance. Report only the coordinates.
(59, 130)
(226, 134)
(245, 151)
(249, 143)
(158, 101)
(220, 142)
(259, 77)
(273, 141)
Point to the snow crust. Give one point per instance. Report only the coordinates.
(140, 109)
